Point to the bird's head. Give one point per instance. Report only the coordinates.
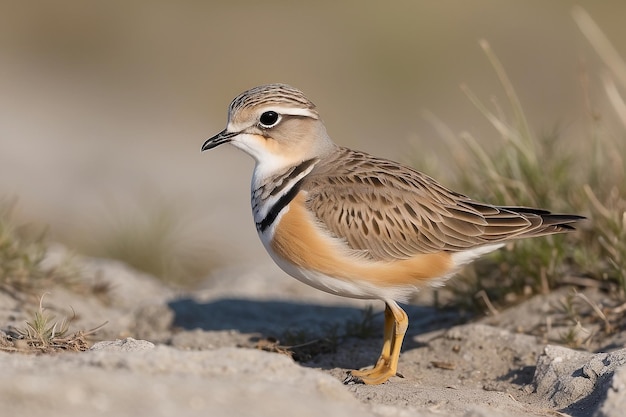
(276, 125)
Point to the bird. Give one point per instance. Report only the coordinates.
(359, 226)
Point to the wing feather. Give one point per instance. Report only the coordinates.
(389, 211)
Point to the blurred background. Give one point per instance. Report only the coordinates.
(104, 105)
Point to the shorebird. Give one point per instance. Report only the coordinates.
(355, 225)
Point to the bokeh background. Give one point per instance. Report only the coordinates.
(104, 105)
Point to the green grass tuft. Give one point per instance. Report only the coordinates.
(23, 271)
(44, 334)
(544, 171)
(42, 331)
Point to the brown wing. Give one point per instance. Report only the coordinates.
(391, 211)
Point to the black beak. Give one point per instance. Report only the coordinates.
(222, 137)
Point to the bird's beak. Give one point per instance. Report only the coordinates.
(222, 137)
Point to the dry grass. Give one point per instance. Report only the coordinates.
(23, 272)
(547, 171)
(44, 334)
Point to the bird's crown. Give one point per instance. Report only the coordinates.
(280, 96)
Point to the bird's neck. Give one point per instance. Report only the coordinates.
(271, 195)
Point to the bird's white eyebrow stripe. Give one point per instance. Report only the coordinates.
(283, 111)
(290, 111)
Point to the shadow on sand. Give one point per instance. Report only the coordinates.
(273, 318)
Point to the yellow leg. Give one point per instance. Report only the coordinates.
(387, 345)
(396, 324)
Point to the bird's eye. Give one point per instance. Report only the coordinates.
(269, 119)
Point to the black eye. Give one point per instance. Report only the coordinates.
(269, 119)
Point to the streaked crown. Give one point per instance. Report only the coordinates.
(271, 95)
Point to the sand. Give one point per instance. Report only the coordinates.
(215, 352)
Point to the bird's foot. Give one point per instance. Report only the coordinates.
(374, 376)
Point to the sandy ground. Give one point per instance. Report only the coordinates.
(218, 351)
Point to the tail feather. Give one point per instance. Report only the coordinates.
(511, 222)
(544, 222)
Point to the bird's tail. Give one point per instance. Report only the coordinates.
(544, 222)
